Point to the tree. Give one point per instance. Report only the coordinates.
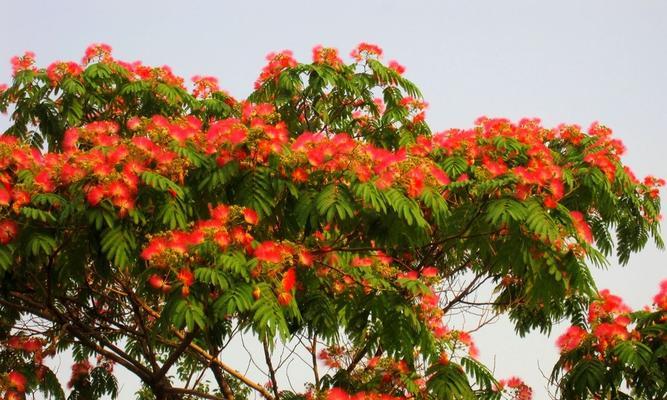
(615, 349)
(144, 224)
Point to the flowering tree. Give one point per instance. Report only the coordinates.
(145, 224)
(615, 349)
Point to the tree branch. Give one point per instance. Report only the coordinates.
(212, 359)
(313, 353)
(173, 357)
(272, 372)
(192, 392)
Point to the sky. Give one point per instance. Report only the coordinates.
(568, 61)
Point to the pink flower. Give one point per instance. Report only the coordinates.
(571, 339)
(396, 67)
(365, 50)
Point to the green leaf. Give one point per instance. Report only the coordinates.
(540, 222)
(268, 318)
(449, 382)
(6, 256)
(370, 195)
(483, 377)
(502, 211)
(405, 207)
(172, 214)
(40, 243)
(213, 276)
(256, 191)
(161, 183)
(237, 299)
(334, 202)
(118, 243)
(634, 353)
(37, 214)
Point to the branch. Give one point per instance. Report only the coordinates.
(222, 382)
(313, 353)
(272, 372)
(211, 359)
(217, 371)
(146, 342)
(192, 392)
(461, 295)
(358, 357)
(84, 334)
(173, 357)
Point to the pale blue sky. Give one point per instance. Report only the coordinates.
(566, 61)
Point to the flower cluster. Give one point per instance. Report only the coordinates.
(610, 321)
(16, 382)
(278, 62)
(26, 62)
(340, 394)
(305, 198)
(326, 56)
(517, 388)
(366, 50)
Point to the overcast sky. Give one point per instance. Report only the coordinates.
(563, 61)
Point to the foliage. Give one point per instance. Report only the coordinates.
(146, 224)
(617, 353)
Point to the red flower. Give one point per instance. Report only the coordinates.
(23, 63)
(439, 175)
(70, 139)
(660, 299)
(250, 216)
(411, 275)
(289, 279)
(95, 195)
(204, 86)
(365, 50)
(155, 247)
(299, 175)
(186, 276)
(43, 181)
(557, 189)
(326, 55)
(496, 167)
(79, 370)
(5, 194)
(17, 381)
(118, 189)
(12, 395)
(549, 202)
(8, 230)
(32, 345)
(338, 394)
(220, 213)
(607, 304)
(277, 63)
(609, 333)
(582, 227)
(430, 272)
(306, 258)
(284, 298)
(396, 67)
(222, 239)
(97, 50)
(157, 282)
(571, 339)
(242, 237)
(20, 198)
(269, 252)
(133, 123)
